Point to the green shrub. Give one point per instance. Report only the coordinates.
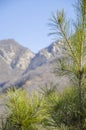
(26, 111)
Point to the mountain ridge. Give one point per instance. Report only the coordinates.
(21, 67)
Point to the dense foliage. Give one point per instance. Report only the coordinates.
(26, 112)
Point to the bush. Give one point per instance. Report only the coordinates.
(26, 111)
(63, 110)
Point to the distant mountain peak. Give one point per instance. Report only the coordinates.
(14, 54)
(45, 55)
(19, 65)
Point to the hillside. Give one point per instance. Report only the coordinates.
(21, 67)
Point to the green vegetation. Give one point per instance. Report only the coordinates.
(52, 110)
(26, 112)
(73, 64)
(63, 110)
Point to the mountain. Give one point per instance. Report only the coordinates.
(21, 67)
(45, 55)
(14, 60)
(16, 56)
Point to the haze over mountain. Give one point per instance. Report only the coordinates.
(20, 67)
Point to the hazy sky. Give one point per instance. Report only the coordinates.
(26, 20)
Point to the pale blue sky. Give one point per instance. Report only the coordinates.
(26, 20)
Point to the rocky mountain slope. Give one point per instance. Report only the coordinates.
(45, 55)
(21, 67)
(14, 60)
(16, 56)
